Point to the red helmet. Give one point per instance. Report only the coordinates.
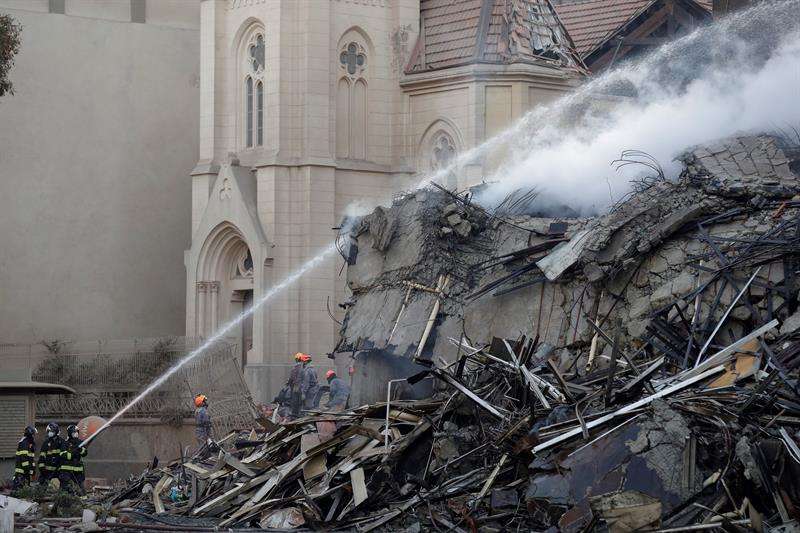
(329, 374)
(302, 357)
(199, 400)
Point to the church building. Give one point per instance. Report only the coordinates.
(196, 152)
(310, 109)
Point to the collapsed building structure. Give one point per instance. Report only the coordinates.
(634, 371)
(499, 275)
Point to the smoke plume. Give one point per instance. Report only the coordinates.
(738, 75)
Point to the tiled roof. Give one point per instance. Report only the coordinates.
(590, 23)
(457, 32)
(450, 30)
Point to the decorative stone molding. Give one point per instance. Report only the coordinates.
(236, 4)
(443, 151)
(225, 190)
(353, 59)
(208, 286)
(375, 3)
(244, 264)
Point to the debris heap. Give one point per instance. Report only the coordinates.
(637, 371)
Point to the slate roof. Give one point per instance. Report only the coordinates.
(459, 32)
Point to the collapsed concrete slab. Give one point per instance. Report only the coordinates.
(551, 279)
(650, 456)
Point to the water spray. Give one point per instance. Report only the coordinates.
(221, 332)
(549, 129)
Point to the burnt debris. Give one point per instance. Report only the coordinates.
(636, 371)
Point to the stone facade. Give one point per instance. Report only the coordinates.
(309, 109)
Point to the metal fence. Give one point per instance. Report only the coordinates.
(109, 374)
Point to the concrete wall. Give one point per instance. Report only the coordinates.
(129, 446)
(125, 448)
(95, 151)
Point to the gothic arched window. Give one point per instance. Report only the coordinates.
(254, 91)
(443, 152)
(351, 102)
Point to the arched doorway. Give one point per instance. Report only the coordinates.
(225, 273)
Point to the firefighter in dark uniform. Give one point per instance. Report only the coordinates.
(71, 472)
(295, 383)
(50, 454)
(26, 459)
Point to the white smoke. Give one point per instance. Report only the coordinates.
(739, 75)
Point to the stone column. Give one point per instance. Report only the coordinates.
(214, 308)
(202, 289)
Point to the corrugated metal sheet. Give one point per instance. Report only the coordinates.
(13, 419)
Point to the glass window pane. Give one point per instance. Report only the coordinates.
(260, 114)
(249, 112)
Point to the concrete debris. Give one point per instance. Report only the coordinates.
(635, 371)
(18, 506)
(669, 327)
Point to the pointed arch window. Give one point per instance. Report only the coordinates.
(260, 113)
(249, 111)
(443, 153)
(351, 102)
(253, 97)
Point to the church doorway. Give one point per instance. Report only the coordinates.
(225, 288)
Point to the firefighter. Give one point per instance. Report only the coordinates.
(295, 383)
(283, 402)
(339, 393)
(310, 385)
(202, 419)
(25, 459)
(71, 472)
(50, 454)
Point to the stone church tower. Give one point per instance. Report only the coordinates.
(310, 106)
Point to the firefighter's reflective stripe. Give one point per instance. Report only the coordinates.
(70, 468)
(25, 452)
(25, 463)
(20, 471)
(50, 467)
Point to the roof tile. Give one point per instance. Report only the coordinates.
(517, 30)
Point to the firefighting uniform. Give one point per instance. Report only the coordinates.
(71, 469)
(50, 458)
(25, 461)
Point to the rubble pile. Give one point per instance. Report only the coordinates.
(636, 371)
(510, 443)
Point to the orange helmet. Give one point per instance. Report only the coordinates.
(302, 357)
(199, 400)
(329, 374)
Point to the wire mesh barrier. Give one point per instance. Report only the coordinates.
(107, 375)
